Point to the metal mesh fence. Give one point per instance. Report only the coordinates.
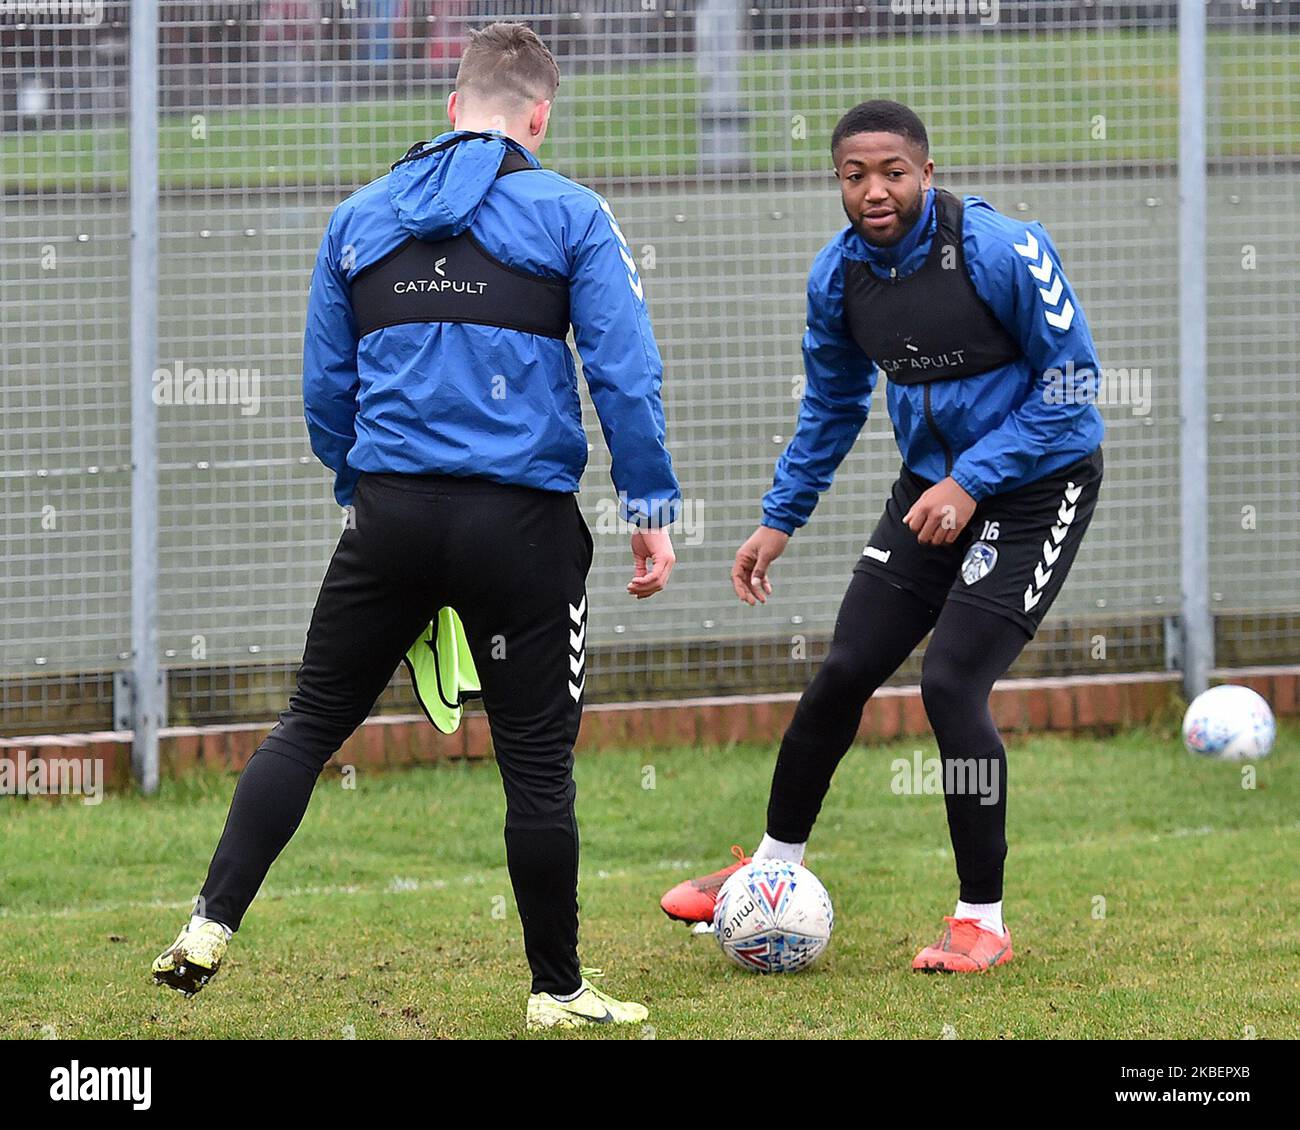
(707, 127)
(65, 455)
(1254, 340)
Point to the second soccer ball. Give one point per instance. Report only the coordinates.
(1229, 723)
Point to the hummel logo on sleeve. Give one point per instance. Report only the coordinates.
(632, 280)
(1049, 278)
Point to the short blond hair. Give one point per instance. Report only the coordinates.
(507, 62)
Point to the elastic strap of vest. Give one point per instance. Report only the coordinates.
(512, 162)
(949, 209)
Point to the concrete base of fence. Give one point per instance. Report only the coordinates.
(1096, 703)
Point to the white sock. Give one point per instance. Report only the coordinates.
(777, 849)
(197, 920)
(989, 914)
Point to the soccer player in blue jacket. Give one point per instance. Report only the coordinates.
(439, 388)
(992, 374)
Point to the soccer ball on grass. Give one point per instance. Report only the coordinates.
(1229, 723)
(773, 916)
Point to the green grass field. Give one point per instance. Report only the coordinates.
(1025, 99)
(390, 913)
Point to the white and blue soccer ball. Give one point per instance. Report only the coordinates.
(1229, 723)
(773, 916)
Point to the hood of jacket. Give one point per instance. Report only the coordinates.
(436, 196)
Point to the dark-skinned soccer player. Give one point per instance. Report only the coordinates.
(992, 374)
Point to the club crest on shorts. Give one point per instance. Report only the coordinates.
(978, 562)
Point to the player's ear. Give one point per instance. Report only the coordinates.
(453, 108)
(541, 116)
(927, 174)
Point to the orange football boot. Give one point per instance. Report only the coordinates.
(966, 947)
(693, 900)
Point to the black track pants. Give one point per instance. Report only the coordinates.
(513, 562)
(878, 627)
(984, 596)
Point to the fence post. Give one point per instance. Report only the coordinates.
(146, 691)
(1198, 625)
(720, 47)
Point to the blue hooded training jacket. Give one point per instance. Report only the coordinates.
(428, 397)
(1004, 428)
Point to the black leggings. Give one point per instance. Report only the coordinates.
(513, 563)
(878, 627)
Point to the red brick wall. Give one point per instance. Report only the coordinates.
(1083, 703)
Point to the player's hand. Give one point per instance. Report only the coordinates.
(749, 573)
(940, 514)
(656, 548)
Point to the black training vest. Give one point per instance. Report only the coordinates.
(457, 279)
(930, 325)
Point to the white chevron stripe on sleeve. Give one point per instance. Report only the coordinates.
(1029, 249)
(1052, 283)
(1062, 320)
